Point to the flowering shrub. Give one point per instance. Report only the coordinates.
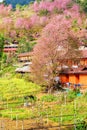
(5, 10)
(50, 6)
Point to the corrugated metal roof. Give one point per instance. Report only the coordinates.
(80, 70)
(24, 69)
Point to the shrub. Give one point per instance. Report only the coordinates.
(82, 125)
(43, 12)
(71, 95)
(49, 98)
(85, 95)
(56, 11)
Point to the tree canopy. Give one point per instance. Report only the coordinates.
(57, 44)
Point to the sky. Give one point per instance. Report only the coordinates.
(1, 0)
(14, 2)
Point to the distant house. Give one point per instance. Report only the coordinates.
(10, 48)
(24, 69)
(81, 60)
(75, 76)
(25, 57)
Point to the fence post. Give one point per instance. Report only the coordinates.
(11, 113)
(74, 114)
(47, 118)
(2, 125)
(7, 103)
(16, 121)
(61, 119)
(65, 98)
(22, 124)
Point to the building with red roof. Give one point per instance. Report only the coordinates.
(10, 49)
(77, 74)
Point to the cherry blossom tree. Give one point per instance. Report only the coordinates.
(5, 10)
(57, 43)
(50, 6)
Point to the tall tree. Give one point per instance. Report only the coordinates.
(56, 45)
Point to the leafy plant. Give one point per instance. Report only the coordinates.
(43, 12)
(82, 125)
(71, 95)
(49, 98)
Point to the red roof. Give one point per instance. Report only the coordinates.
(10, 49)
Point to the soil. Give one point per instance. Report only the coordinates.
(30, 124)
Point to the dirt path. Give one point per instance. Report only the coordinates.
(30, 124)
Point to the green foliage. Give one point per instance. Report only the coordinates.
(2, 39)
(83, 4)
(26, 45)
(38, 1)
(85, 95)
(15, 88)
(18, 7)
(17, 113)
(21, 7)
(77, 1)
(15, 108)
(56, 11)
(71, 95)
(49, 98)
(4, 58)
(8, 70)
(43, 12)
(82, 125)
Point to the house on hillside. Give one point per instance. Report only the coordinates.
(10, 48)
(75, 76)
(25, 62)
(80, 61)
(25, 57)
(25, 68)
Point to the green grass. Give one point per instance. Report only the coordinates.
(17, 114)
(16, 88)
(53, 111)
(49, 98)
(12, 92)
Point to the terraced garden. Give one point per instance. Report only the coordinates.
(47, 111)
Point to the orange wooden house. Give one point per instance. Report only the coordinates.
(76, 75)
